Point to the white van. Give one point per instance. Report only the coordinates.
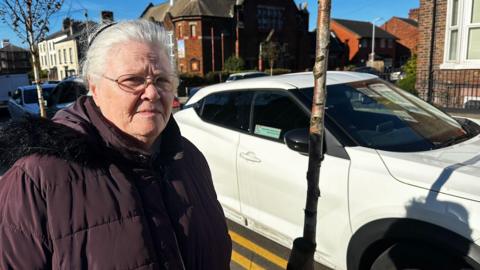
(8, 83)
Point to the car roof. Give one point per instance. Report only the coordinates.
(286, 81)
(247, 73)
(31, 87)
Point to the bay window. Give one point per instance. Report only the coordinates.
(462, 37)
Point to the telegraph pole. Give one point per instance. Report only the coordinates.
(303, 249)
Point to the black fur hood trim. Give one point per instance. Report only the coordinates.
(42, 136)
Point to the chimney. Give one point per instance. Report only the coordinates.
(4, 43)
(171, 3)
(413, 14)
(66, 23)
(107, 16)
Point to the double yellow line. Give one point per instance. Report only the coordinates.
(247, 263)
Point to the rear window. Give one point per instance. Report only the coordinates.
(229, 109)
(67, 92)
(30, 96)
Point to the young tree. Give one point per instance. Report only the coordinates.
(29, 20)
(234, 63)
(271, 51)
(303, 248)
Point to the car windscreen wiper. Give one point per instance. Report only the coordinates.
(452, 141)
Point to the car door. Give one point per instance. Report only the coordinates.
(222, 117)
(272, 177)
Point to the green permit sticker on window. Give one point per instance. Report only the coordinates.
(267, 131)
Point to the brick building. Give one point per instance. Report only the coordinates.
(357, 36)
(192, 24)
(448, 64)
(13, 59)
(406, 32)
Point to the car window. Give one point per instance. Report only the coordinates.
(67, 92)
(276, 113)
(229, 109)
(30, 95)
(255, 75)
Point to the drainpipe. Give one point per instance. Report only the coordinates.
(430, 60)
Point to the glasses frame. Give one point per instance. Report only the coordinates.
(147, 80)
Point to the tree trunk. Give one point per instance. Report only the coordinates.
(304, 247)
(35, 58)
(36, 75)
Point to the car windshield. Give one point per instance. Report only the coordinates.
(30, 95)
(379, 115)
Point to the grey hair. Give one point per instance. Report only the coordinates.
(106, 36)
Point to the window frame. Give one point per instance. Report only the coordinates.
(465, 10)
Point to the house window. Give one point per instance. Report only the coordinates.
(70, 54)
(51, 60)
(59, 57)
(270, 17)
(363, 43)
(64, 56)
(462, 42)
(195, 65)
(180, 31)
(383, 43)
(390, 43)
(193, 30)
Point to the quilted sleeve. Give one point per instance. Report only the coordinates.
(24, 243)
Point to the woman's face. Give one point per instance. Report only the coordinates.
(143, 114)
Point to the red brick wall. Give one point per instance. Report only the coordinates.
(406, 33)
(193, 45)
(347, 37)
(439, 76)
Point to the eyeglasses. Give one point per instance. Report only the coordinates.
(136, 84)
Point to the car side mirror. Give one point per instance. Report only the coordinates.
(297, 140)
(17, 94)
(9, 94)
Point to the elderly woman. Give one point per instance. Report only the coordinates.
(110, 183)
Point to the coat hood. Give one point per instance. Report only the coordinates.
(77, 133)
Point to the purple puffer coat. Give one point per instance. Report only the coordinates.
(80, 194)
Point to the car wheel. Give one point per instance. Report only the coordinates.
(417, 256)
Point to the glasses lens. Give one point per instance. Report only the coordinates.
(163, 83)
(131, 83)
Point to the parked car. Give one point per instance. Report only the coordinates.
(400, 181)
(24, 101)
(176, 105)
(245, 75)
(396, 76)
(472, 104)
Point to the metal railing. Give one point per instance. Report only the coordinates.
(457, 90)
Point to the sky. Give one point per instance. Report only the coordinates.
(363, 10)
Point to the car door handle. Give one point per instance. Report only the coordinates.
(250, 156)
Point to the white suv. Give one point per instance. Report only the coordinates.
(400, 181)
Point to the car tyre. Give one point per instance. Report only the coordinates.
(417, 256)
